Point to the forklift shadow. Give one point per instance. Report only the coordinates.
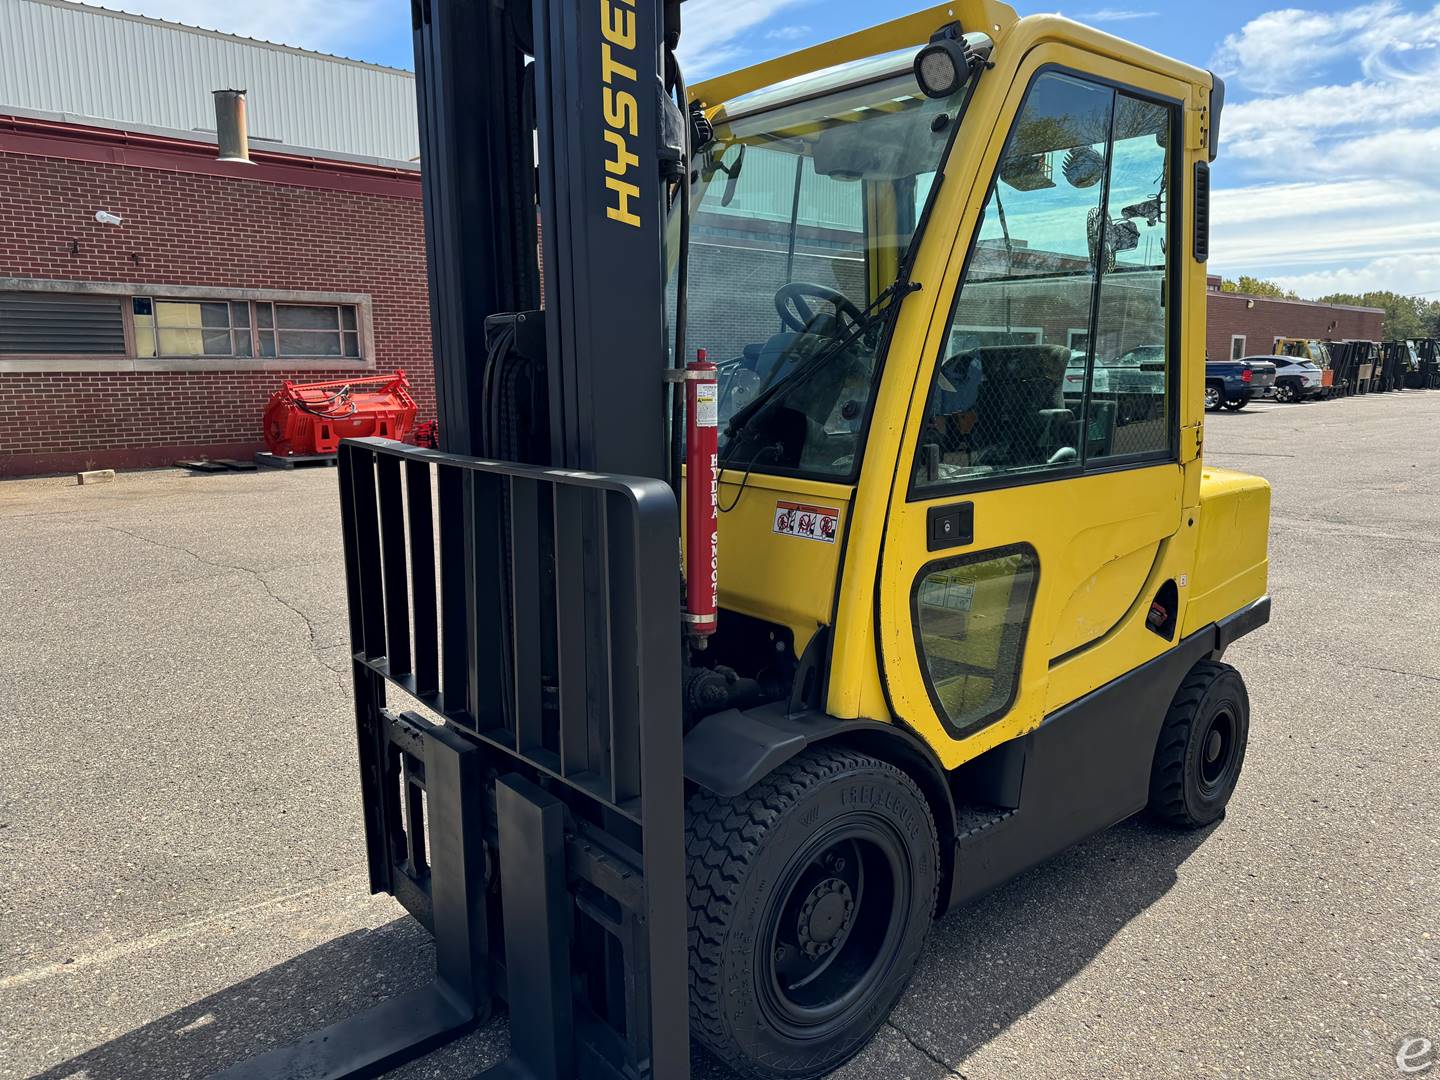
(280, 1006)
(989, 964)
(984, 967)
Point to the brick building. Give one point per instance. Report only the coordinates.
(1239, 325)
(163, 336)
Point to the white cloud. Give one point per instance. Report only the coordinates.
(1318, 238)
(1340, 183)
(715, 33)
(321, 25)
(1274, 50)
(788, 33)
(1409, 273)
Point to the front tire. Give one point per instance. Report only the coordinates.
(1214, 397)
(810, 897)
(1201, 749)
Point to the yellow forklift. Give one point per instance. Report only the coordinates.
(1322, 355)
(944, 607)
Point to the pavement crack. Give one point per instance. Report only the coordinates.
(315, 646)
(1397, 671)
(921, 1048)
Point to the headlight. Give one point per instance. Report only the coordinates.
(947, 62)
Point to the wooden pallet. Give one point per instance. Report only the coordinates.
(293, 461)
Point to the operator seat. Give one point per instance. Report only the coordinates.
(1020, 413)
(788, 346)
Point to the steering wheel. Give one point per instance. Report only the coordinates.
(796, 312)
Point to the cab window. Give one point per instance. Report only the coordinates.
(803, 215)
(1057, 353)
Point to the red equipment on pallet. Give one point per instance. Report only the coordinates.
(312, 418)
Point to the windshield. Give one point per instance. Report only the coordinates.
(803, 216)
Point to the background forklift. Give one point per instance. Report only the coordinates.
(944, 614)
(1426, 375)
(1324, 355)
(1356, 362)
(1397, 362)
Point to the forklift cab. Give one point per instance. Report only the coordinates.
(925, 310)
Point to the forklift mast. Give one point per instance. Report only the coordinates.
(590, 102)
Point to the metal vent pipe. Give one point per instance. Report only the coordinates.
(230, 127)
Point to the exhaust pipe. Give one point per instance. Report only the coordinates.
(230, 128)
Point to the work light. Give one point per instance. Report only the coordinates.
(946, 63)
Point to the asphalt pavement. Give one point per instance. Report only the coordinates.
(181, 871)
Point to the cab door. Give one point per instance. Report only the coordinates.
(1036, 510)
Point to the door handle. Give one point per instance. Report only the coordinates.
(949, 526)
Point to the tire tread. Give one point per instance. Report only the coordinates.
(1167, 777)
(724, 836)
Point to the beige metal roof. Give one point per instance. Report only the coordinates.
(117, 69)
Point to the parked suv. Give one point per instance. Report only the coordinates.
(1234, 383)
(1297, 378)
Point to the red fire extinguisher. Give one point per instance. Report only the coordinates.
(702, 521)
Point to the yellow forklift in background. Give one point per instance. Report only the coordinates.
(1321, 354)
(953, 599)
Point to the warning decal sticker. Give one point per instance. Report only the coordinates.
(809, 522)
(707, 405)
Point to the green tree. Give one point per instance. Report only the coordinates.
(1253, 286)
(1405, 316)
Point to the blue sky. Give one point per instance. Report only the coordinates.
(1329, 177)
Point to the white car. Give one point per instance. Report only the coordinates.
(1296, 377)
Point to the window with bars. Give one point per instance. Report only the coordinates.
(1059, 356)
(244, 329)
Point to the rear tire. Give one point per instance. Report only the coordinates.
(1236, 404)
(1285, 392)
(1201, 749)
(810, 897)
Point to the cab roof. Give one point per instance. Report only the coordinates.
(885, 50)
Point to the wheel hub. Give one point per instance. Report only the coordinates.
(825, 916)
(1213, 746)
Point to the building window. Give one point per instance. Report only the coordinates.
(191, 327)
(48, 325)
(1237, 346)
(244, 328)
(307, 330)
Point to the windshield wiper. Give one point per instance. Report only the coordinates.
(874, 317)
